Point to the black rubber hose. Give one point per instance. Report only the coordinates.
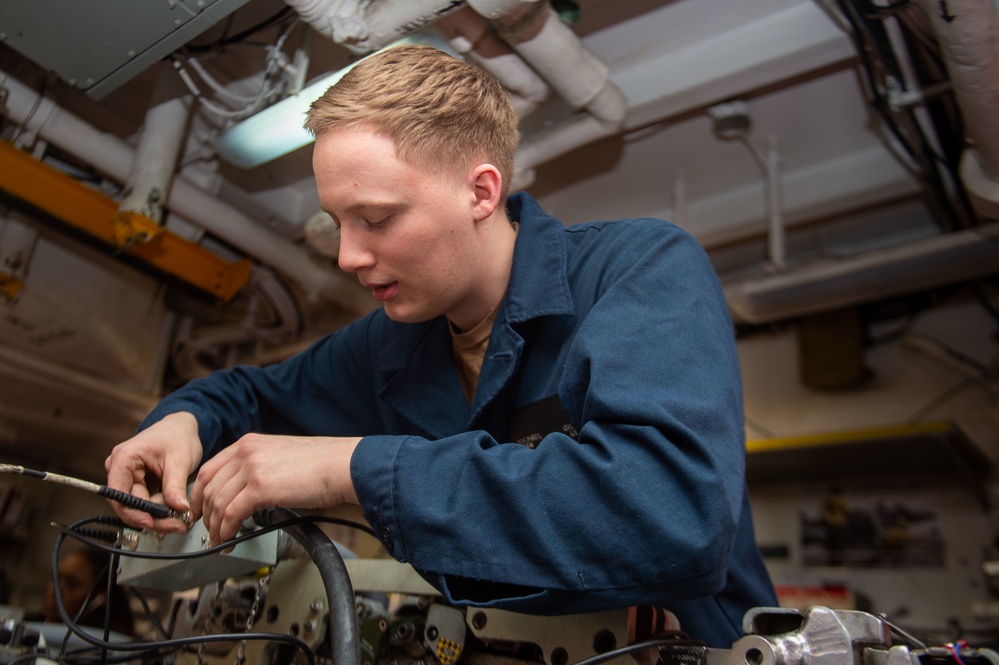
(345, 641)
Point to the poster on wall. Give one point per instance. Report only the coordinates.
(870, 531)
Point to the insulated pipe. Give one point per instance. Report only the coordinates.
(155, 159)
(968, 35)
(470, 33)
(363, 26)
(114, 157)
(550, 46)
(540, 37)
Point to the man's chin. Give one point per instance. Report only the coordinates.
(405, 315)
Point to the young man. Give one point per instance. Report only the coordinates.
(541, 418)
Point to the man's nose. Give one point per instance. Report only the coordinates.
(354, 255)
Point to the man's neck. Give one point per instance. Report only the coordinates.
(496, 262)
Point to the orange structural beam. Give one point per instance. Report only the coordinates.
(62, 197)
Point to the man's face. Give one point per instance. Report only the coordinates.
(76, 579)
(408, 235)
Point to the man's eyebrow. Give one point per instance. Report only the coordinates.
(379, 205)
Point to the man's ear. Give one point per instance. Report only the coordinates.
(487, 184)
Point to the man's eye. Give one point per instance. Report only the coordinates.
(378, 223)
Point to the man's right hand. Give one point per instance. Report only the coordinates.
(155, 464)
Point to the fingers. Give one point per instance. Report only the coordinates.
(126, 473)
(163, 454)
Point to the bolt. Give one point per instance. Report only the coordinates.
(177, 22)
(309, 626)
(432, 633)
(171, 4)
(130, 53)
(129, 540)
(316, 606)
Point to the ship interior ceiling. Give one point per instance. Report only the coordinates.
(837, 159)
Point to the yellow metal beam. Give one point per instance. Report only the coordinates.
(55, 193)
(850, 436)
(9, 286)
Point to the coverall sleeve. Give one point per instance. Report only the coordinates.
(326, 389)
(643, 508)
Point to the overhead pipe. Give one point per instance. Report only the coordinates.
(550, 46)
(471, 34)
(968, 34)
(155, 158)
(363, 26)
(113, 156)
(530, 27)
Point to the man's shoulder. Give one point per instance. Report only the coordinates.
(636, 233)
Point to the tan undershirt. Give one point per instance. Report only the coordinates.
(470, 349)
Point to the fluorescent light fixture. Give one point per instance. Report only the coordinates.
(277, 130)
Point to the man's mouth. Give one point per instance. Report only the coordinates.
(384, 292)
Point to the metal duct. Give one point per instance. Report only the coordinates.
(948, 259)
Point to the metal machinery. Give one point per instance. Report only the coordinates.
(287, 594)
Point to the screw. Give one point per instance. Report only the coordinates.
(316, 607)
(309, 626)
(129, 540)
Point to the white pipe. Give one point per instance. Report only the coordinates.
(550, 46)
(470, 34)
(160, 143)
(363, 26)
(968, 35)
(113, 157)
(569, 133)
(546, 43)
(769, 163)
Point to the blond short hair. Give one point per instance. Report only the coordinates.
(443, 113)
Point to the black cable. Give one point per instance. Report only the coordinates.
(157, 510)
(345, 642)
(240, 36)
(870, 40)
(637, 646)
(155, 620)
(301, 519)
(161, 644)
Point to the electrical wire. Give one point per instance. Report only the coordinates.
(172, 643)
(72, 532)
(242, 35)
(80, 531)
(878, 62)
(157, 510)
(639, 646)
(946, 396)
(345, 639)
